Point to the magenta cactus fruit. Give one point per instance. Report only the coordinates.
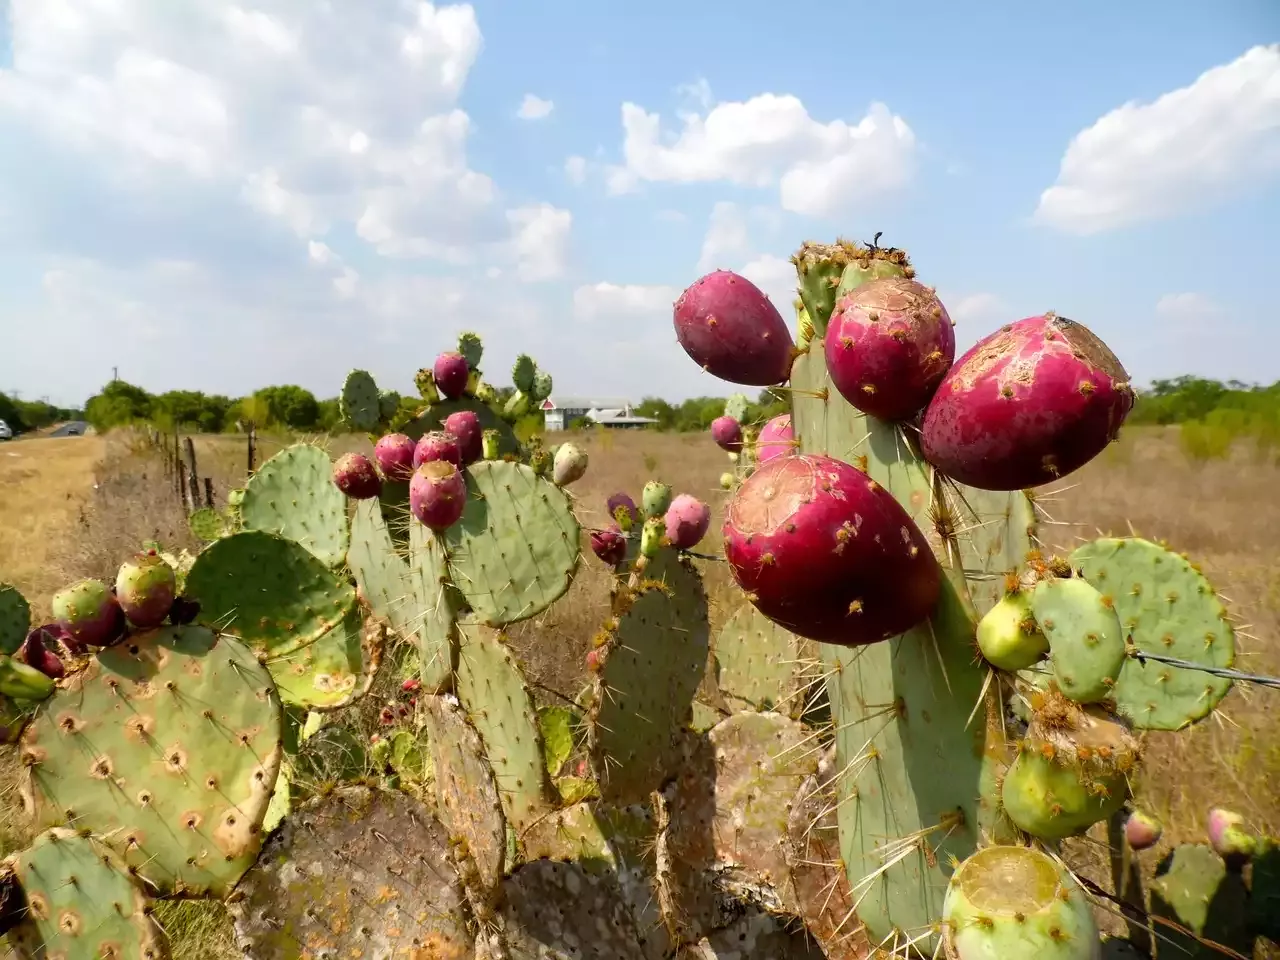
(687, 520)
(90, 613)
(825, 551)
(465, 425)
(394, 454)
(37, 651)
(355, 476)
(609, 545)
(727, 433)
(623, 510)
(1142, 831)
(437, 494)
(146, 587)
(1229, 837)
(729, 327)
(437, 445)
(776, 439)
(888, 345)
(451, 373)
(1033, 402)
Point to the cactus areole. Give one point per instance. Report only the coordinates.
(825, 551)
(1033, 402)
(729, 327)
(888, 346)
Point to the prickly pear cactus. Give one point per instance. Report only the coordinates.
(15, 618)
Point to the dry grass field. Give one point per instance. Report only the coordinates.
(57, 526)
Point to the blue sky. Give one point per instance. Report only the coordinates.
(222, 195)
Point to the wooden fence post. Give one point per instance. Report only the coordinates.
(208, 492)
(193, 478)
(253, 443)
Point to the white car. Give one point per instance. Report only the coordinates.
(5, 432)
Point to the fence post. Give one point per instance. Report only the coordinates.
(253, 443)
(208, 492)
(193, 477)
(180, 483)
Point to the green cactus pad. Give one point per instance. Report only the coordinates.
(757, 662)
(562, 911)
(819, 267)
(336, 670)
(559, 727)
(167, 746)
(388, 404)
(1017, 903)
(523, 372)
(736, 406)
(410, 759)
(269, 591)
(1167, 607)
(359, 873)
(21, 682)
(293, 495)
(819, 885)
(928, 759)
(1264, 892)
(516, 548)
(467, 795)
(490, 687)
(1086, 643)
(410, 600)
(1052, 800)
(207, 524)
(542, 386)
(82, 904)
(757, 935)
(15, 618)
(653, 663)
(330, 754)
(358, 402)
(1194, 888)
(472, 349)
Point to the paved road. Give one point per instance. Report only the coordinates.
(75, 428)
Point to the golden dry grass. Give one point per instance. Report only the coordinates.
(1222, 513)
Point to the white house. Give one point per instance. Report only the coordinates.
(614, 412)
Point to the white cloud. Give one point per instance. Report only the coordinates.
(534, 108)
(771, 141)
(575, 168)
(726, 237)
(1188, 308)
(974, 308)
(1189, 147)
(541, 240)
(612, 300)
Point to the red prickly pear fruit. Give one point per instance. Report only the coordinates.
(776, 439)
(1030, 404)
(729, 327)
(727, 433)
(1229, 838)
(183, 611)
(465, 425)
(451, 373)
(394, 454)
(437, 494)
(437, 445)
(595, 659)
(411, 685)
(687, 520)
(387, 717)
(624, 511)
(581, 768)
(354, 475)
(609, 545)
(36, 652)
(90, 613)
(1142, 831)
(825, 551)
(888, 345)
(146, 587)
(375, 737)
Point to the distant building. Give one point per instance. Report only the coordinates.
(612, 412)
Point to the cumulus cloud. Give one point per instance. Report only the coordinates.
(770, 141)
(541, 240)
(575, 168)
(534, 108)
(1191, 146)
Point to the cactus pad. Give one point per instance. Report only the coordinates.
(1166, 606)
(15, 618)
(358, 403)
(491, 689)
(653, 662)
(757, 662)
(288, 600)
(523, 372)
(561, 911)
(1194, 888)
(360, 873)
(736, 406)
(207, 524)
(472, 349)
(516, 547)
(1017, 903)
(409, 600)
(1086, 643)
(468, 797)
(82, 903)
(293, 495)
(167, 746)
(335, 670)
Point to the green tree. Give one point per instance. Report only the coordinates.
(290, 406)
(118, 404)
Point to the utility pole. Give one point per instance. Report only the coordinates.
(115, 371)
